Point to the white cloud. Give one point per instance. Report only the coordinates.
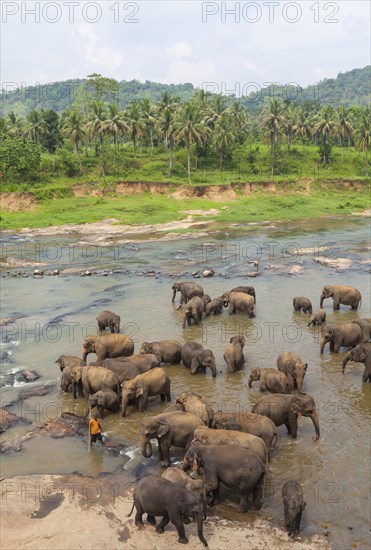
(95, 52)
(179, 50)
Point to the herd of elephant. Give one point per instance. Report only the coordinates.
(230, 448)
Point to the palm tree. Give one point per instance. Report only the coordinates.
(189, 130)
(215, 109)
(114, 125)
(73, 127)
(148, 116)
(4, 131)
(15, 124)
(344, 124)
(325, 125)
(135, 123)
(272, 122)
(35, 126)
(303, 126)
(96, 126)
(289, 124)
(239, 118)
(166, 126)
(362, 135)
(166, 108)
(224, 135)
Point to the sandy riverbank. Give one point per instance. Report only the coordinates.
(84, 513)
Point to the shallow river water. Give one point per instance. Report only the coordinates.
(55, 313)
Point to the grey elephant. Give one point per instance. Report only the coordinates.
(248, 422)
(239, 302)
(143, 361)
(187, 290)
(177, 476)
(195, 357)
(193, 310)
(294, 368)
(206, 299)
(215, 307)
(208, 436)
(69, 361)
(108, 319)
(166, 351)
(160, 497)
(340, 294)
(66, 379)
(293, 505)
(195, 404)
(149, 384)
(271, 380)
(285, 409)
(247, 290)
(124, 370)
(340, 335)
(104, 399)
(94, 379)
(76, 380)
(360, 354)
(108, 346)
(303, 304)
(171, 428)
(237, 468)
(233, 354)
(365, 325)
(317, 318)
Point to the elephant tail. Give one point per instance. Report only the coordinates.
(360, 303)
(131, 511)
(274, 441)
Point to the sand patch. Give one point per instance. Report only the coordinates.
(16, 202)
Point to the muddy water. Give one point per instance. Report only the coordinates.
(55, 313)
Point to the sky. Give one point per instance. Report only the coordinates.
(220, 46)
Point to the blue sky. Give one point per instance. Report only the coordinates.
(219, 45)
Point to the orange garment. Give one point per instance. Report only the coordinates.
(94, 426)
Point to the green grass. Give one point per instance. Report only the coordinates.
(153, 209)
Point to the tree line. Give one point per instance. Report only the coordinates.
(207, 125)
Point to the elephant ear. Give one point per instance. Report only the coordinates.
(291, 368)
(243, 341)
(295, 408)
(303, 504)
(162, 429)
(139, 390)
(195, 363)
(305, 367)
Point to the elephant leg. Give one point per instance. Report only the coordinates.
(142, 402)
(161, 526)
(297, 523)
(336, 305)
(336, 347)
(292, 427)
(164, 446)
(244, 505)
(257, 495)
(332, 345)
(162, 397)
(138, 517)
(160, 454)
(176, 519)
(212, 485)
(151, 520)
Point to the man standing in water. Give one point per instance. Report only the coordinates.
(95, 430)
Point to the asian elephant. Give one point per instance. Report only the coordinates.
(340, 294)
(124, 370)
(365, 325)
(193, 309)
(108, 346)
(285, 409)
(231, 465)
(293, 505)
(206, 299)
(239, 302)
(104, 399)
(271, 380)
(98, 378)
(247, 290)
(341, 335)
(317, 318)
(214, 307)
(247, 422)
(233, 354)
(160, 497)
(166, 351)
(360, 354)
(303, 304)
(76, 377)
(143, 361)
(195, 404)
(69, 361)
(187, 290)
(195, 357)
(208, 436)
(172, 428)
(108, 319)
(66, 379)
(177, 476)
(291, 365)
(149, 384)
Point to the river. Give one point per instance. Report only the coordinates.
(54, 313)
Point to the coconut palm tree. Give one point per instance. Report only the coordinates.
(190, 129)
(14, 124)
(303, 126)
(166, 109)
(96, 126)
(344, 124)
(114, 125)
(148, 116)
(214, 109)
(136, 124)
(362, 135)
(239, 118)
(35, 126)
(291, 116)
(223, 136)
(272, 123)
(325, 125)
(74, 129)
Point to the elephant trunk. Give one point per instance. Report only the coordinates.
(315, 421)
(323, 343)
(124, 404)
(146, 447)
(299, 383)
(322, 298)
(250, 382)
(84, 354)
(174, 294)
(347, 358)
(199, 520)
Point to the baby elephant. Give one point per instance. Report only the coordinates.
(177, 476)
(233, 354)
(104, 399)
(108, 319)
(303, 304)
(317, 318)
(214, 307)
(195, 404)
(293, 505)
(271, 380)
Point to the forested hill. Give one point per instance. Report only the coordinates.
(350, 88)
